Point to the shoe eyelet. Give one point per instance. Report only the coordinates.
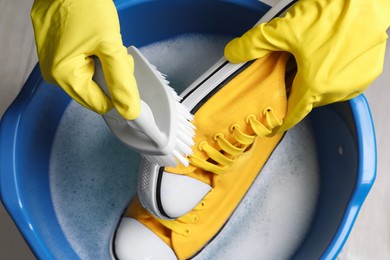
(234, 126)
(267, 110)
(196, 218)
(201, 144)
(219, 135)
(187, 232)
(203, 204)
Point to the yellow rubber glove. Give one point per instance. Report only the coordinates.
(338, 45)
(68, 33)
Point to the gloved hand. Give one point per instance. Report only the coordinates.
(68, 33)
(338, 45)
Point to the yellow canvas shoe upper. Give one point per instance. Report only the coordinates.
(250, 105)
(232, 143)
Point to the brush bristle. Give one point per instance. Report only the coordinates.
(185, 131)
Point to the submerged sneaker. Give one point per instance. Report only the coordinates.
(241, 108)
(233, 142)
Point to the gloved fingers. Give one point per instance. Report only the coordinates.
(68, 33)
(279, 34)
(300, 102)
(118, 69)
(308, 92)
(256, 43)
(75, 78)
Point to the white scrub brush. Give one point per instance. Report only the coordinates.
(164, 131)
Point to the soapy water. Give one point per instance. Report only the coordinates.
(93, 176)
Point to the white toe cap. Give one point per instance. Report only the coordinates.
(179, 194)
(134, 241)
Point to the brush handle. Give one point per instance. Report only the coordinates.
(145, 123)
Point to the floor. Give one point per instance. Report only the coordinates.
(370, 237)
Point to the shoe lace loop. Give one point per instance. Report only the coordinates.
(215, 154)
(228, 146)
(220, 159)
(271, 119)
(240, 136)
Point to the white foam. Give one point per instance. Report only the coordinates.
(93, 176)
(185, 58)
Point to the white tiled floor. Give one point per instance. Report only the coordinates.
(370, 238)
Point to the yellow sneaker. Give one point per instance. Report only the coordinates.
(248, 104)
(233, 141)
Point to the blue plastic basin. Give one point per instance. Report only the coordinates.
(28, 128)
